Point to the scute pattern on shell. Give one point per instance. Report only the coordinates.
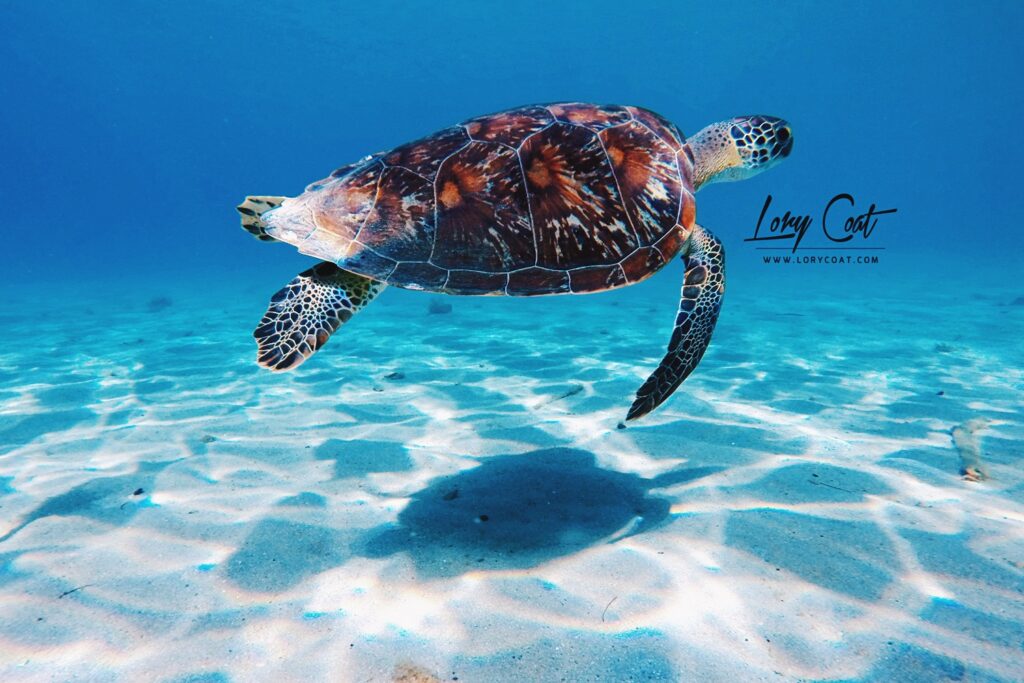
(425, 156)
(534, 200)
(482, 215)
(401, 224)
(510, 127)
(649, 177)
(590, 116)
(572, 190)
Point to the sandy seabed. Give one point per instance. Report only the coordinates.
(448, 496)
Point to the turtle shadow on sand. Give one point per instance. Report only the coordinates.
(517, 511)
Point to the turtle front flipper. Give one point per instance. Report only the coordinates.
(698, 312)
(304, 314)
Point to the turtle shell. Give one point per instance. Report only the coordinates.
(537, 200)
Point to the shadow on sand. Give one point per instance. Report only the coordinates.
(510, 512)
(517, 511)
(113, 500)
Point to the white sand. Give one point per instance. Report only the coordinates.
(795, 512)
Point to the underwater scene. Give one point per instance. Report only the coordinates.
(515, 341)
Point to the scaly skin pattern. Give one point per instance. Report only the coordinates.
(738, 148)
(699, 305)
(563, 198)
(304, 314)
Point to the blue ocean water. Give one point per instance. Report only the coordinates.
(131, 131)
(835, 494)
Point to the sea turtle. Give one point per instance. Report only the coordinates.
(563, 198)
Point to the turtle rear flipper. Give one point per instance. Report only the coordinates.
(700, 302)
(303, 315)
(252, 210)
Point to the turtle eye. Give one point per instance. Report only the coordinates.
(783, 134)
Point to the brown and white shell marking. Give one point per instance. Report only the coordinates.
(559, 199)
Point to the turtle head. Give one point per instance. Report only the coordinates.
(739, 148)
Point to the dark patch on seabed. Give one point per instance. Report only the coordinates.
(112, 500)
(358, 458)
(518, 511)
(512, 511)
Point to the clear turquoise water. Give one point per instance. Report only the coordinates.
(796, 512)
